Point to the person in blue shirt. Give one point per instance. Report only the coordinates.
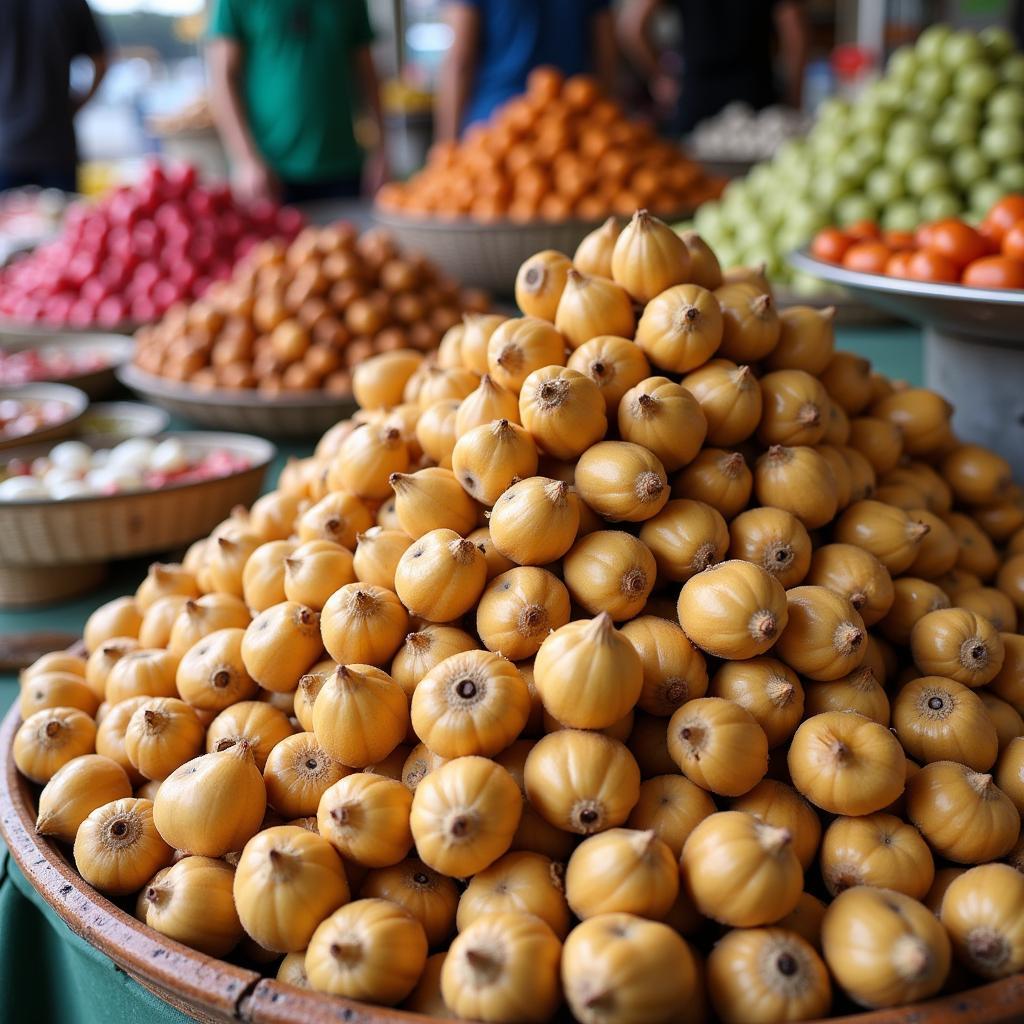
(497, 43)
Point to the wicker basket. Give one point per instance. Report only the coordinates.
(213, 990)
(486, 255)
(76, 401)
(50, 550)
(296, 416)
(115, 348)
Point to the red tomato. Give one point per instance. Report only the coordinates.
(1003, 216)
(994, 272)
(868, 257)
(1013, 242)
(929, 265)
(896, 265)
(830, 245)
(898, 239)
(957, 241)
(862, 230)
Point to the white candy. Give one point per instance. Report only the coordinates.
(100, 457)
(71, 489)
(58, 475)
(21, 488)
(113, 478)
(169, 456)
(72, 456)
(134, 453)
(40, 466)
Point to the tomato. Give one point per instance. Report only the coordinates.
(898, 239)
(929, 265)
(1003, 216)
(830, 245)
(1013, 242)
(994, 272)
(955, 240)
(862, 230)
(897, 264)
(868, 257)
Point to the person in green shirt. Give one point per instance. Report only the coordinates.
(285, 77)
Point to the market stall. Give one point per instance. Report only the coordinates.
(636, 640)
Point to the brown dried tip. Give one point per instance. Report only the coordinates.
(772, 839)
(809, 415)
(911, 957)
(974, 653)
(557, 492)
(743, 378)
(847, 638)
(649, 486)
(763, 625)
(463, 551)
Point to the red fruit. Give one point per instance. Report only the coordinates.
(867, 257)
(830, 245)
(861, 230)
(955, 240)
(1003, 216)
(1013, 242)
(928, 265)
(994, 272)
(896, 265)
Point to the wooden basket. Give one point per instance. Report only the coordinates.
(304, 416)
(216, 992)
(487, 255)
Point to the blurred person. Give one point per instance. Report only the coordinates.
(726, 55)
(285, 78)
(497, 43)
(38, 41)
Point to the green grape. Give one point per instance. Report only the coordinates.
(961, 109)
(890, 93)
(931, 41)
(832, 111)
(855, 207)
(901, 155)
(976, 80)
(961, 47)
(968, 166)
(869, 150)
(909, 130)
(933, 81)
(984, 195)
(903, 65)
(1002, 140)
(1011, 177)
(950, 135)
(937, 205)
(926, 108)
(902, 215)
(709, 219)
(1011, 70)
(1006, 104)
(805, 220)
(805, 284)
(883, 185)
(998, 43)
(850, 166)
(925, 175)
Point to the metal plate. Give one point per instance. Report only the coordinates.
(992, 313)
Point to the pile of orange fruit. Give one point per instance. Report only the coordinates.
(560, 151)
(948, 251)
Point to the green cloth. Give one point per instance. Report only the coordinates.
(49, 975)
(299, 82)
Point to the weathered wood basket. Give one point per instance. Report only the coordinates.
(214, 991)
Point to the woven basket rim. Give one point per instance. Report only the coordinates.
(150, 384)
(467, 225)
(260, 451)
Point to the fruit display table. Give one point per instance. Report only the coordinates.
(47, 972)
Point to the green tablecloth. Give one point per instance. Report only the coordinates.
(47, 974)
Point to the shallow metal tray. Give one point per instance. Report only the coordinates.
(990, 313)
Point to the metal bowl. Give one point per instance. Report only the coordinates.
(995, 313)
